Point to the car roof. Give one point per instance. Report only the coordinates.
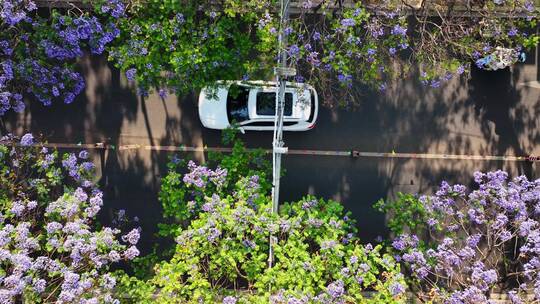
(298, 109)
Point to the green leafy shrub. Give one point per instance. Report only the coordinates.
(183, 191)
(405, 212)
(222, 251)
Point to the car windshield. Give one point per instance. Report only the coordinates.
(266, 103)
(237, 99)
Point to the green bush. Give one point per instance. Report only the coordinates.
(222, 253)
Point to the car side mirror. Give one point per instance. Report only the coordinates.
(242, 130)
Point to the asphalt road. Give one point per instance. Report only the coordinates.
(492, 113)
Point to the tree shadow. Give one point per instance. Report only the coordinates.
(485, 114)
(488, 114)
(497, 103)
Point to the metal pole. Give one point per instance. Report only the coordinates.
(537, 59)
(277, 143)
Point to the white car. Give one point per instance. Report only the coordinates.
(252, 105)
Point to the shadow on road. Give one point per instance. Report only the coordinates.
(488, 114)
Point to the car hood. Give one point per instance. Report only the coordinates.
(213, 108)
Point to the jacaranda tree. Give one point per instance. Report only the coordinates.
(38, 52)
(51, 248)
(186, 45)
(462, 246)
(180, 46)
(336, 43)
(221, 255)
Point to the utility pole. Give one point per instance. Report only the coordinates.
(282, 71)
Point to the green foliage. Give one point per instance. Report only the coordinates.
(133, 290)
(222, 224)
(34, 176)
(229, 134)
(182, 201)
(244, 162)
(406, 213)
(224, 252)
(175, 195)
(187, 45)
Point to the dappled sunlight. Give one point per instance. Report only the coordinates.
(464, 116)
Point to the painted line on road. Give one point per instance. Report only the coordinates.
(356, 154)
(352, 153)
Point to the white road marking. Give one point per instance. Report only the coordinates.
(352, 153)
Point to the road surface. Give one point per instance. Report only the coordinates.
(490, 114)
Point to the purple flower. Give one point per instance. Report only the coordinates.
(398, 30)
(505, 235)
(307, 4)
(287, 31)
(364, 267)
(328, 244)
(132, 237)
(8, 69)
(130, 74)
(396, 289)
(27, 140)
(208, 207)
(249, 244)
(80, 195)
(432, 222)
(529, 6)
(69, 97)
(83, 154)
(162, 93)
(114, 256)
(180, 18)
(404, 241)
(213, 234)
(513, 32)
(476, 216)
(335, 289)
(229, 300)
(309, 204)
(131, 253)
(514, 297)
(39, 285)
(500, 221)
(31, 205)
(17, 208)
(435, 83)
(294, 50)
(348, 22)
(526, 226)
(473, 240)
(52, 227)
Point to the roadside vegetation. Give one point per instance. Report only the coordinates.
(457, 246)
